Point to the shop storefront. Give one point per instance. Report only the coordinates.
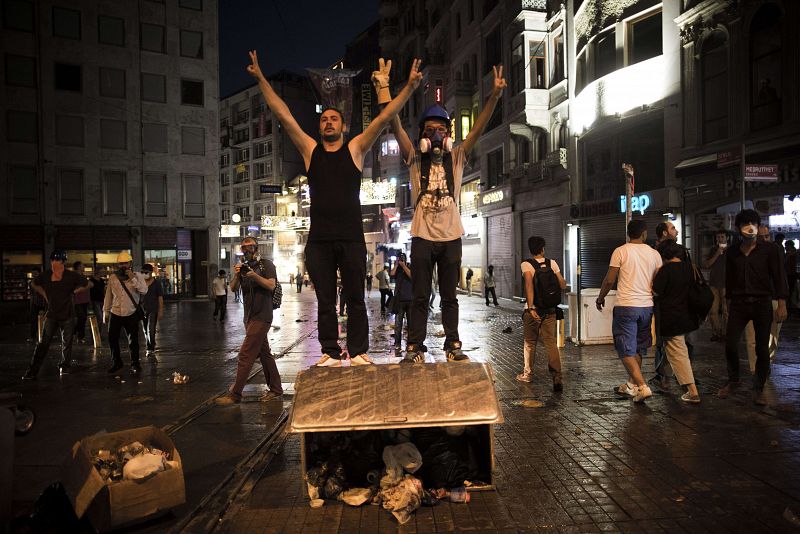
(497, 207)
(160, 251)
(471, 246)
(21, 249)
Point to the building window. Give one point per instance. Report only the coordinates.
(242, 155)
(644, 38)
(242, 174)
(194, 196)
(241, 135)
(114, 193)
(66, 23)
(494, 168)
(111, 30)
(224, 160)
(70, 192)
(241, 194)
(224, 197)
(523, 151)
(24, 192)
(492, 51)
(605, 54)
(191, 44)
(154, 138)
(69, 130)
(224, 179)
(260, 149)
(21, 126)
(152, 37)
(765, 67)
(154, 87)
(193, 140)
(192, 4)
(497, 117)
(260, 170)
(68, 77)
(155, 195)
(18, 15)
(714, 65)
(458, 26)
(191, 92)
(112, 82)
(581, 71)
(466, 123)
(557, 63)
(20, 71)
(517, 65)
(538, 70)
(113, 134)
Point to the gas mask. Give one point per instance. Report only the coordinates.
(436, 144)
(749, 231)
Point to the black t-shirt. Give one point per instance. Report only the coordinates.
(334, 184)
(59, 294)
(257, 299)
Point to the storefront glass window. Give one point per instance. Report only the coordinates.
(107, 261)
(17, 268)
(166, 266)
(84, 256)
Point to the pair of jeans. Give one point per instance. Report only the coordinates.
(402, 311)
(67, 328)
(750, 340)
(149, 327)
(220, 305)
(81, 313)
(256, 345)
(386, 294)
(446, 256)
(486, 292)
(741, 312)
(323, 258)
(118, 323)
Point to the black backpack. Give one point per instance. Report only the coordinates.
(546, 289)
(701, 298)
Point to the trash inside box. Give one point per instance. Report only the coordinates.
(448, 410)
(113, 503)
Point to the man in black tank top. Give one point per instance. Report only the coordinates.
(336, 238)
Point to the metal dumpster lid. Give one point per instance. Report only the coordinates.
(394, 396)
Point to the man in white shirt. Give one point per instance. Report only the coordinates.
(635, 264)
(220, 287)
(123, 294)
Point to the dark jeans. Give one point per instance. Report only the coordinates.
(220, 305)
(149, 327)
(486, 292)
(34, 318)
(81, 313)
(402, 308)
(386, 294)
(50, 326)
(740, 313)
(130, 324)
(446, 256)
(300, 286)
(322, 260)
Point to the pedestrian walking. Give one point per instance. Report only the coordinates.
(633, 267)
(435, 174)
(97, 294)
(469, 276)
(715, 263)
(674, 319)
(81, 301)
(775, 329)
(336, 237)
(298, 280)
(56, 286)
(543, 286)
(488, 285)
(403, 295)
(369, 283)
(220, 288)
(665, 232)
(36, 305)
(754, 278)
(384, 286)
(257, 278)
(791, 270)
(121, 311)
(153, 305)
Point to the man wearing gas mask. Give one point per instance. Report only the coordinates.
(124, 294)
(435, 171)
(754, 277)
(257, 278)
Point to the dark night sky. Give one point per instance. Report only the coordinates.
(288, 34)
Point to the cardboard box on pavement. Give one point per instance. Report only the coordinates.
(110, 506)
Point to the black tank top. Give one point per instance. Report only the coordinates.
(334, 184)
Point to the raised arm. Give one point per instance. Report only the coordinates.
(364, 141)
(380, 79)
(486, 113)
(304, 143)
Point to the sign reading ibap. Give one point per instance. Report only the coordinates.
(638, 203)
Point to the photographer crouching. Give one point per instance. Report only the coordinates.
(257, 279)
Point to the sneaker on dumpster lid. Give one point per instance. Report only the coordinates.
(626, 389)
(271, 396)
(524, 377)
(361, 359)
(641, 393)
(455, 354)
(328, 361)
(227, 400)
(414, 354)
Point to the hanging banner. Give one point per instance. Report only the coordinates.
(335, 88)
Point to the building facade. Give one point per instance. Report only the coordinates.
(109, 121)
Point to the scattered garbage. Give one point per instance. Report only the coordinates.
(133, 461)
(529, 403)
(178, 378)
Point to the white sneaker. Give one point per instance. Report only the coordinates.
(327, 361)
(627, 389)
(361, 359)
(641, 393)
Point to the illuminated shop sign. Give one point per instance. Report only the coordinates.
(492, 197)
(639, 203)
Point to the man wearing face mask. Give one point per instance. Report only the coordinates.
(56, 286)
(435, 172)
(153, 304)
(124, 293)
(754, 277)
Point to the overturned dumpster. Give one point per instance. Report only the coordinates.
(394, 433)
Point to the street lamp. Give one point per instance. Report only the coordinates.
(236, 217)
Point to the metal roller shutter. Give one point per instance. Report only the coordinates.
(547, 224)
(500, 252)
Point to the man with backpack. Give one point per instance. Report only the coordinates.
(543, 284)
(257, 278)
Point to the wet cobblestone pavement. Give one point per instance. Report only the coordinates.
(585, 461)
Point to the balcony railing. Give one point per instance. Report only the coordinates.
(556, 157)
(535, 5)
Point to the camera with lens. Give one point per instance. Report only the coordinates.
(244, 269)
